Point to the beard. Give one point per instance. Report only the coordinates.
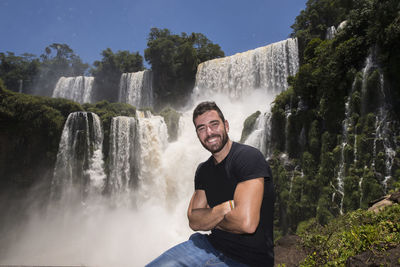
(222, 139)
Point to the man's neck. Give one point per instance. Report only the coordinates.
(219, 156)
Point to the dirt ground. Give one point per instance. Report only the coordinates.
(288, 251)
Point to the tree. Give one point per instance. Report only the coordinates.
(58, 60)
(108, 71)
(174, 60)
(18, 72)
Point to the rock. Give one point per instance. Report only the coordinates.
(390, 257)
(378, 204)
(377, 207)
(395, 197)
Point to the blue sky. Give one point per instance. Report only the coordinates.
(90, 26)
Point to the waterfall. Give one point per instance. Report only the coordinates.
(383, 133)
(153, 139)
(162, 172)
(236, 76)
(79, 165)
(342, 164)
(330, 33)
(259, 137)
(136, 89)
(288, 113)
(123, 155)
(78, 88)
(264, 70)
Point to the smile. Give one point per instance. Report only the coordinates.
(212, 140)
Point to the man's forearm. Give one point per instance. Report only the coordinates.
(205, 219)
(238, 222)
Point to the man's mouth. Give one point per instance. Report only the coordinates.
(213, 139)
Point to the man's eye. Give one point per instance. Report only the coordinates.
(214, 124)
(201, 129)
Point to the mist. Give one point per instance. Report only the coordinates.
(129, 229)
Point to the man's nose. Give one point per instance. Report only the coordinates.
(209, 131)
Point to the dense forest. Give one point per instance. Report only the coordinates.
(335, 132)
(313, 137)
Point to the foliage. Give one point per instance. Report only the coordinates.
(58, 60)
(18, 72)
(348, 235)
(174, 60)
(108, 71)
(39, 75)
(32, 125)
(308, 120)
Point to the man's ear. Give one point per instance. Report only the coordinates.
(226, 126)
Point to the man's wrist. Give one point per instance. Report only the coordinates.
(231, 204)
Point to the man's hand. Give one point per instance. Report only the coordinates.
(201, 216)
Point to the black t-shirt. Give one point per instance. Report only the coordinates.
(219, 182)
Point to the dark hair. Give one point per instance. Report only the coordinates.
(207, 106)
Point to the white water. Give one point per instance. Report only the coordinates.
(78, 88)
(330, 33)
(261, 134)
(81, 141)
(123, 159)
(136, 89)
(342, 164)
(267, 68)
(102, 233)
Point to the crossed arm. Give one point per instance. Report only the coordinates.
(244, 218)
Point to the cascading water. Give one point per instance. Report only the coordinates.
(342, 164)
(236, 76)
(132, 235)
(259, 136)
(79, 162)
(137, 89)
(123, 155)
(153, 139)
(330, 33)
(264, 70)
(288, 113)
(78, 88)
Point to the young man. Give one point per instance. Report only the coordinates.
(233, 198)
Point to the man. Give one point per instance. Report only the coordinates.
(233, 198)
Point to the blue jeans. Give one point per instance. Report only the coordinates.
(197, 251)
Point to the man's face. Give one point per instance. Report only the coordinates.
(212, 131)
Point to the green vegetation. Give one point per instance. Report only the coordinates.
(307, 120)
(107, 72)
(174, 60)
(30, 132)
(307, 123)
(30, 126)
(18, 72)
(30, 74)
(358, 231)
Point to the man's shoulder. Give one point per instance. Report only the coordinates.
(243, 150)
